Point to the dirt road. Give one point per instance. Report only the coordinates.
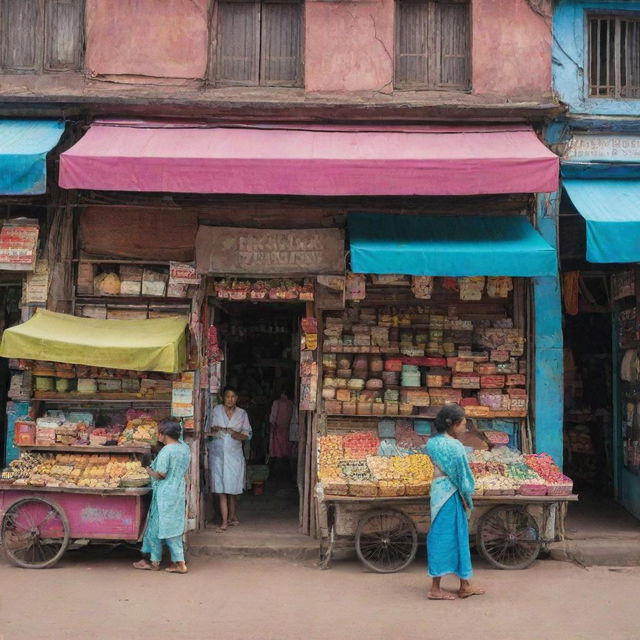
(93, 597)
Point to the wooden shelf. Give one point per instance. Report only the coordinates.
(382, 351)
(60, 448)
(69, 398)
(516, 499)
(137, 300)
(379, 417)
(155, 263)
(492, 416)
(120, 491)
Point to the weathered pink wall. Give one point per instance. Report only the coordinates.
(158, 38)
(349, 46)
(511, 49)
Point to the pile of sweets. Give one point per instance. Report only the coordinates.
(331, 451)
(100, 471)
(141, 431)
(359, 445)
(544, 465)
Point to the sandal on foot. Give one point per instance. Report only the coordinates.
(175, 569)
(234, 523)
(146, 566)
(444, 595)
(474, 591)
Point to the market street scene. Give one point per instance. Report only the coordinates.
(319, 317)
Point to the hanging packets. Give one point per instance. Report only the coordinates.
(422, 287)
(356, 286)
(499, 286)
(471, 287)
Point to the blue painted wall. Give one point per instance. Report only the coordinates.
(549, 385)
(569, 57)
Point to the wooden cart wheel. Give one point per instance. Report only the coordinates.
(386, 540)
(35, 533)
(509, 537)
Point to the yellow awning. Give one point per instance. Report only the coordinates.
(157, 344)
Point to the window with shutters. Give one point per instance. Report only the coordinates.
(38, 36)
(259, 43)
(433, 44)
(614, 56)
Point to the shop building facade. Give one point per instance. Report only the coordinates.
(596, 74)
(329, 110)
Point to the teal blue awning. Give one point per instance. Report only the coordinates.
(24, 145)
(448, 246)
(611, 209)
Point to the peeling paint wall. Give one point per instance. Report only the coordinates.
(155, 38)
(349, 46)
(511, 47)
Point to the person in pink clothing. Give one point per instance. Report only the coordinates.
(279, 421)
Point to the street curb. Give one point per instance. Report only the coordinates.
(606, 552)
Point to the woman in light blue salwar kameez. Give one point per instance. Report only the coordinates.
(166, 519)
(451, 501)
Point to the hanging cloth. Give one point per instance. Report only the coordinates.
(570, 292)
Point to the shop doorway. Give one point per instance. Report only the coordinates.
(10, 295)
(591, 448)
(261, 345)
(588, 415)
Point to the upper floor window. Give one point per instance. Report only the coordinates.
(37, 36)
(433, 44)
(614, 56)
(259, 43)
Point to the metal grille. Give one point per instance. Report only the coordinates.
(614, 57)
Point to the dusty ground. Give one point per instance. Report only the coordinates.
(94, 596)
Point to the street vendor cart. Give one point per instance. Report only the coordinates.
(509, 531)
(39, 524)
(79, 477)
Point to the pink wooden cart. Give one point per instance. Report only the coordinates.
(38, 523)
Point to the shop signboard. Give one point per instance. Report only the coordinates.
(18, 245)
(242, 251)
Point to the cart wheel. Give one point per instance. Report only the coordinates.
(386, 541)
(35, 533)
(509, 537)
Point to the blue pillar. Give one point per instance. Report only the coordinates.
(549, 384)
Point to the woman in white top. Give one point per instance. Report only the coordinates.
(230, 426)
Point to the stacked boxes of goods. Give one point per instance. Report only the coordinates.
(100, 471)
(411, 361)
(504, 471)
(350, 465)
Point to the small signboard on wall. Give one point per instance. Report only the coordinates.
(240, 251)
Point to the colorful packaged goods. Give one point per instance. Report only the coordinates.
(359, 445)
(331, 451)
(141, 431)
(544, 465)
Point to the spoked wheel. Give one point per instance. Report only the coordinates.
(509, 537)
(35, 533)
(386, 541)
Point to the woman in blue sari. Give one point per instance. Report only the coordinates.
(451, 502)
(166, 520)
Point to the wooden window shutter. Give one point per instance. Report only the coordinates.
(412, 68)
(281, 44)
(433, 44)
(453, 68)
(63, 34)
(238, 53)
(21, 26)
